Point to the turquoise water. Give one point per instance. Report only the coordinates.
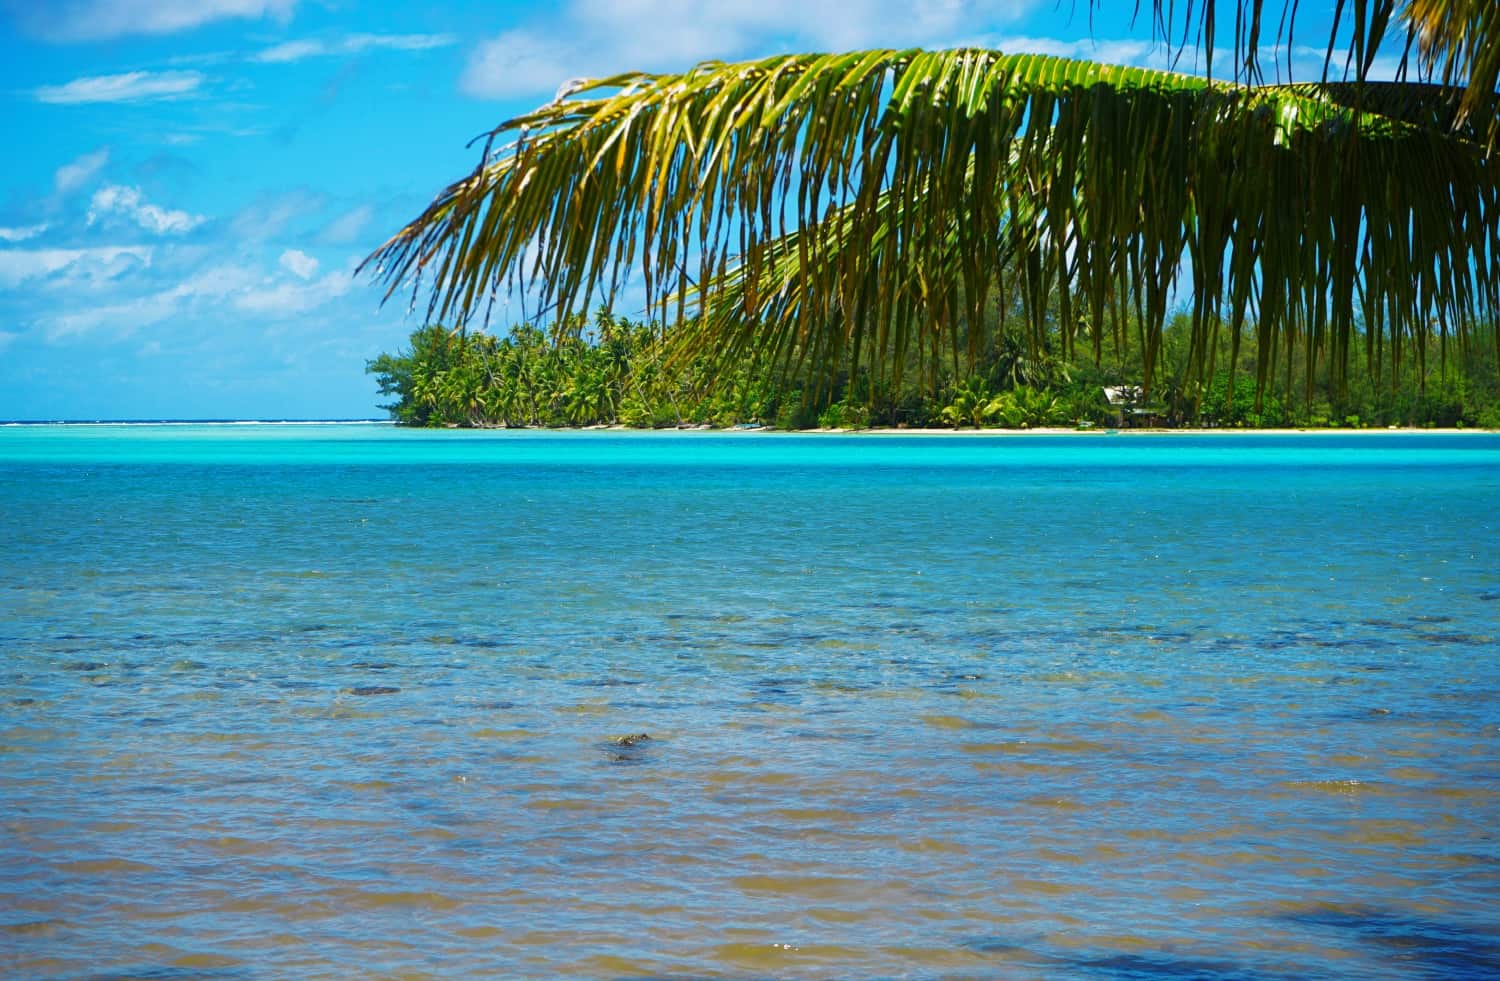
(283, 701)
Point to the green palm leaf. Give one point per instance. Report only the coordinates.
(864, 205)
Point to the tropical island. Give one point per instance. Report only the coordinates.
(612, 371)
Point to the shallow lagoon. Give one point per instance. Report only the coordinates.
(301, 700)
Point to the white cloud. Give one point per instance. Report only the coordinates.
(126, 317)
(125, 87)
(1143, 54)
(129, 202)
(96, 20)
(594, 38)
(7, 338)
(397, 42)
(348, 226)
(351, 44)
(298, 263)
(199, 298)
(204, 290)
(286, 299)
(23, 233)
(520, 63)
(18, 266)
(290, 51)
(71, 176)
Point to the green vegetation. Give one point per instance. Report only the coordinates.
(617, 372)
(973, 237)
(605, 373)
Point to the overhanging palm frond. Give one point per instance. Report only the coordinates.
(1457, 42)
(864, 201)
(1428, 106)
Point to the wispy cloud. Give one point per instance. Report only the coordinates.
(275, 300)
(298, 263)
(76, 173)
(600, 37)
(125, 87)
(348, 226)
(289, 51)
(128, 202)
(209, 287)
(98, 20)
(124, 317)
(209, 292)
(18, 266)
(270, 215)
(22, 234)
(520, 63)
(1127, 51)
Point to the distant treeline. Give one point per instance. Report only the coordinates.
(614, 371)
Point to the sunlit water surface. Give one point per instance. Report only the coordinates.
(299, 701)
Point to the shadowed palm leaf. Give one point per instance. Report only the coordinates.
(1456, 42)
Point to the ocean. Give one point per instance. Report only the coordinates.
(326, 700)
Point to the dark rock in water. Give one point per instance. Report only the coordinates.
(84, 666)
(628, 749)
(374, 690)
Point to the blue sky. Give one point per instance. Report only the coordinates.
(190, 183)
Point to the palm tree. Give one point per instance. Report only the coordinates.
(862, 209)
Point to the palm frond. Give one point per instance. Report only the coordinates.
(1459, 43)
(1456, 43)
(866, 202)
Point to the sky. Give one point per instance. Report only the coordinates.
(190, 184)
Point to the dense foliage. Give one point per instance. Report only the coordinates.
(971, 235)
(618, 372)
(864, 209)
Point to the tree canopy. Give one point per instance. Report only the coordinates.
(859, 208)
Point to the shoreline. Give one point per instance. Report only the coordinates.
(759, 430)
(1186, 431)
(999, 432)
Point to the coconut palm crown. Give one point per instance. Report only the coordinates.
(859, 208)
